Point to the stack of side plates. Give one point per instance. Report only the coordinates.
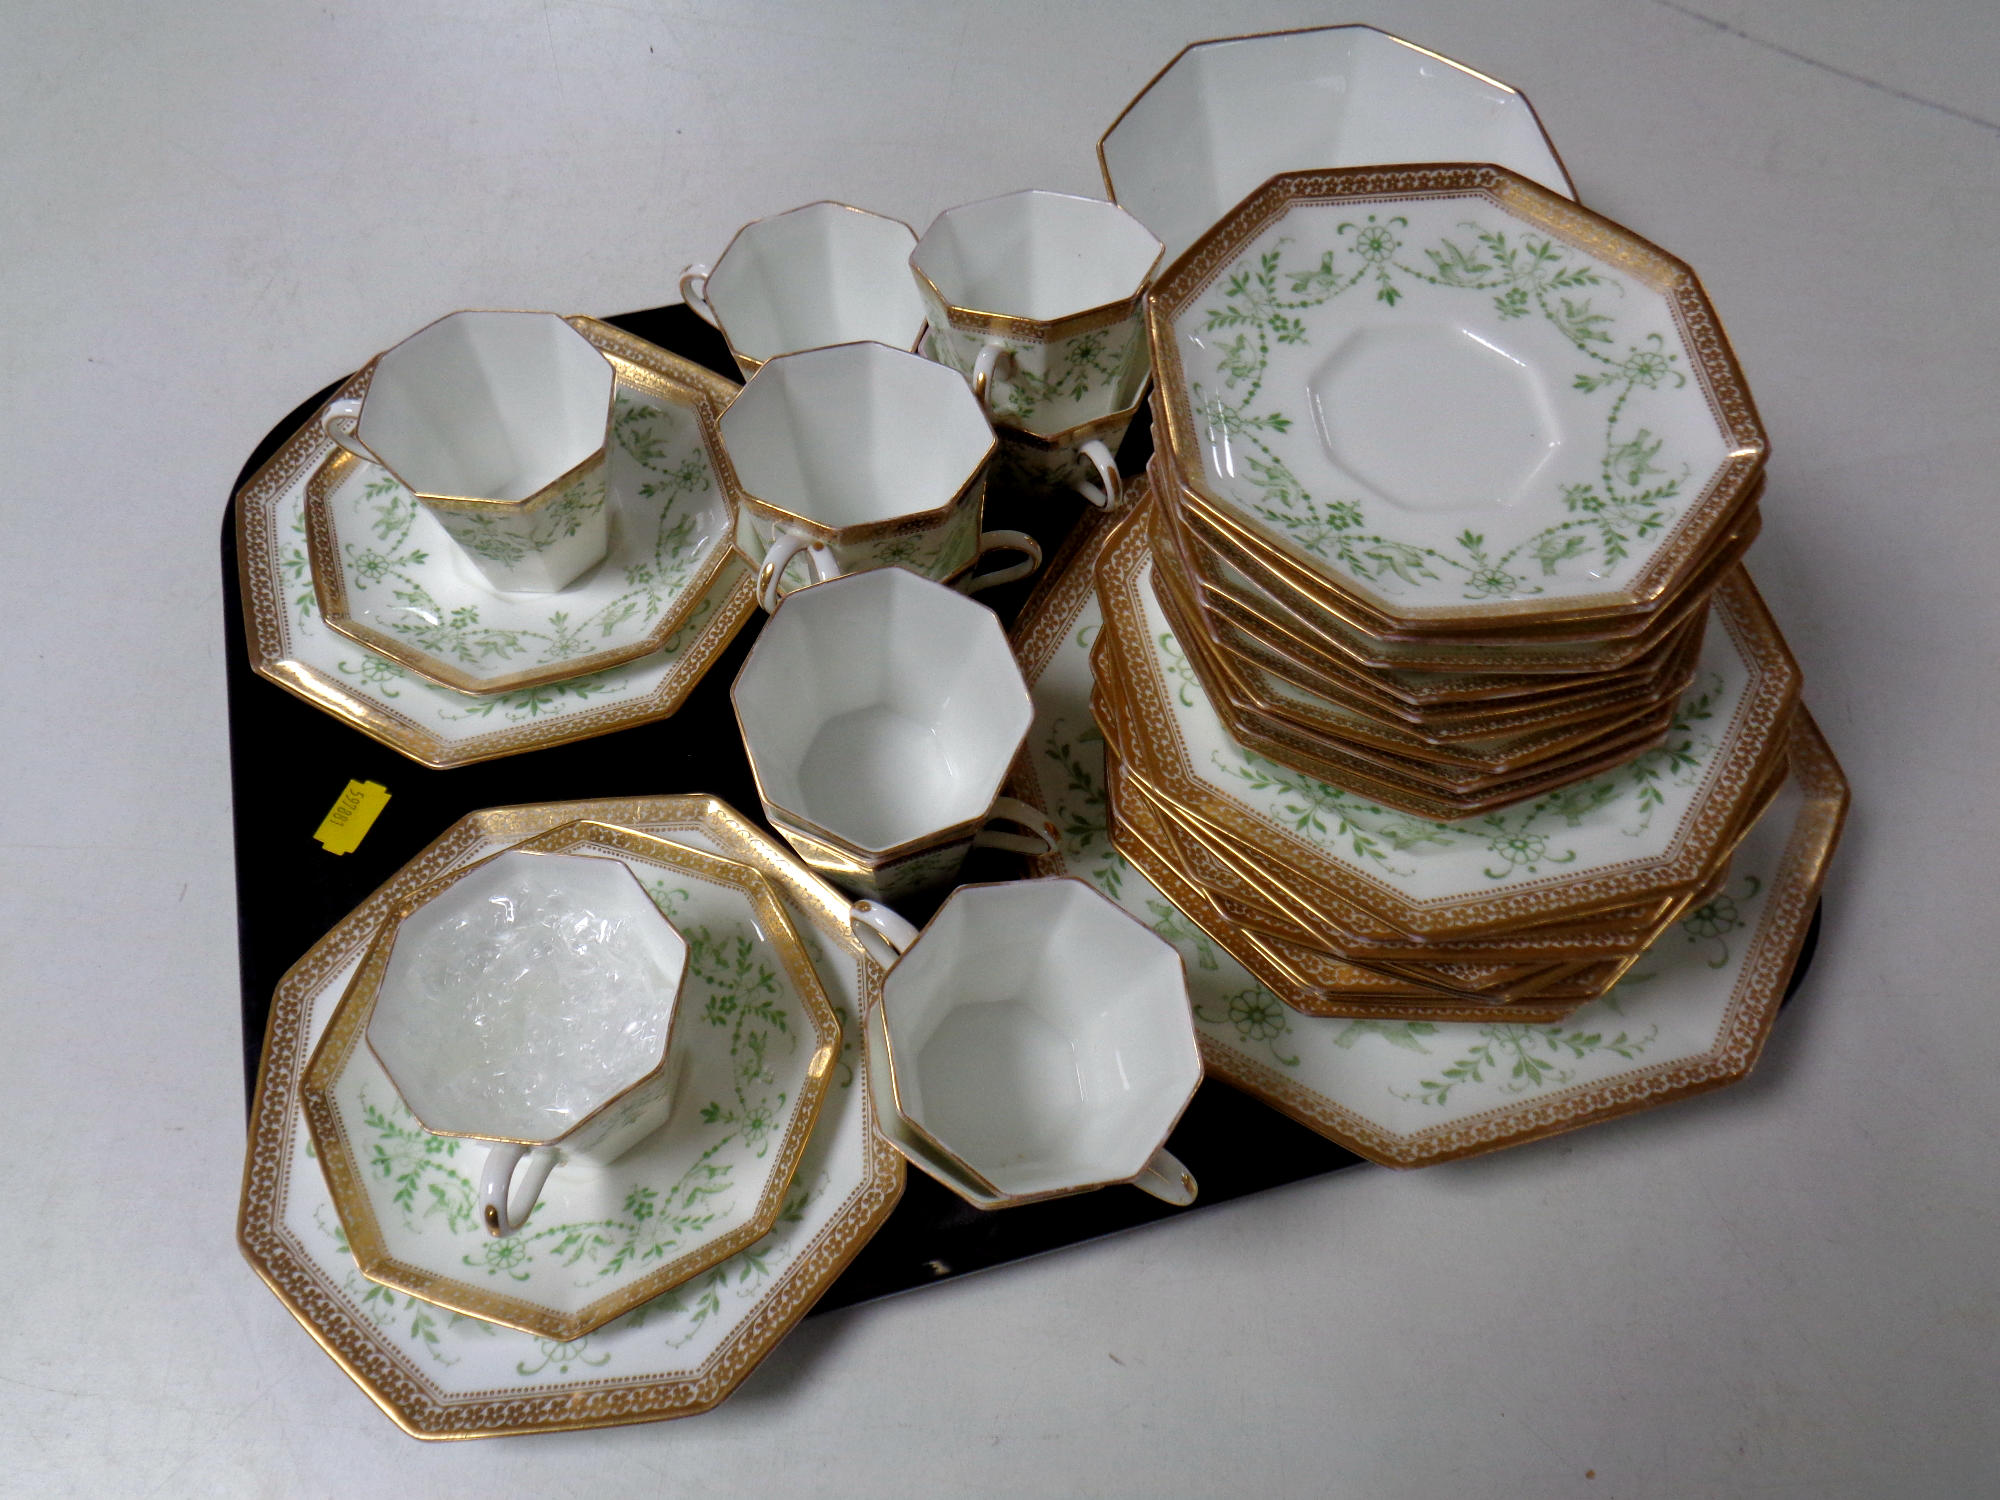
(1343, 904)
(1449, 473)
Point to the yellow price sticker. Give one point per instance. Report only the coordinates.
(353, 813)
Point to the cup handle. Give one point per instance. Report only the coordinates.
(1109, 491)
(338, 422)
(883, 936)
(1005, 541)
(504, 1205)
(1166, 1179)
(1042, 837)
(994, 359)
(694, 292)
(771, 576)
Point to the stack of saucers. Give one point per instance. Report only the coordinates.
(1450, 471)
(1342, 903)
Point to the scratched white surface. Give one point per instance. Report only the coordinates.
(1784, 1290)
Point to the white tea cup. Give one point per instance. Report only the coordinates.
(497, 422)
(1038, 299)
(825, 273)
(881, 712)
(1040, 1041)
(529, 1002)
(861, 456)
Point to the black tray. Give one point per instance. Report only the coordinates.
(289, 760)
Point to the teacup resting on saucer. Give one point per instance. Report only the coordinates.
(530, 1003)
(497, 422)
(386, 576)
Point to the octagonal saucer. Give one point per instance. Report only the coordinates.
(1453, 394)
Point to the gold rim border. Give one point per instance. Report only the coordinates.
(1345, 988)
(1456, 773)
(1714, 362)
(266, 619)
(329, 575)
(1449, 724)
(1447, 677)
(1045, 622)
(1205, 533)
(1043, 625)
(1104, 167)
(1600, 643)
(1041, 330)
(365, 988)
(1210, 854)
(1746, 1023)
(396, 1386)
(842, 853)
(1287, 964)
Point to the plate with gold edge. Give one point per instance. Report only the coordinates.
(290, 644)
(1308, 735)
(1230, 579)
(750, 1068)
(440, 1374)
(1691, 1016)
(1339, 987)
(1226, 553)
(1471, 398)
(1207, 854)
(1640, 828)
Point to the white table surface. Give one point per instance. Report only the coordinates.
(1786, 1289)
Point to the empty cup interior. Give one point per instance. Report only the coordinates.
(526, 995)
(1228, 114)
(1036, 255)
(1041, 1035)
(822, 274)
(882, 707)
(855, 433)
(487, 405)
